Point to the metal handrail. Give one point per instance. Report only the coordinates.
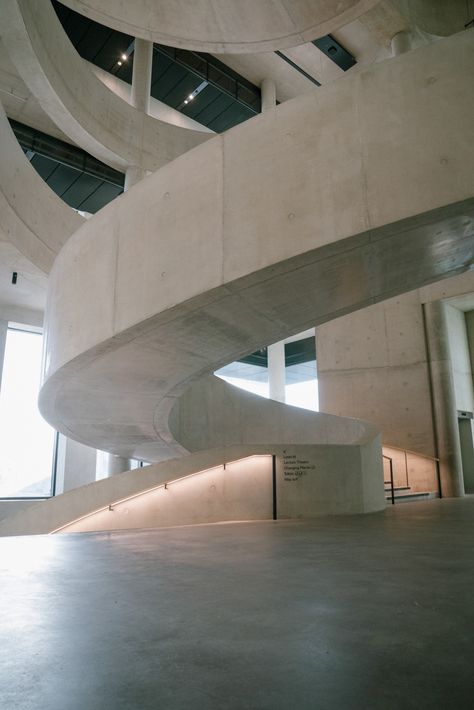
(423, 456)
(409, 451)
(391, 476)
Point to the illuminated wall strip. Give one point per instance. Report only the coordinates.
(165, 486)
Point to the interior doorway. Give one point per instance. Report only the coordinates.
(465, 422)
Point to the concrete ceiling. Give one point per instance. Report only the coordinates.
(356, 38)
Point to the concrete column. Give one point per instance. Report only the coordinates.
(140, 96)
(75, 465)
(276, 371)
(3, 342)
(401, 43)
(268, 92)
(116, 464)
(141, 76)
(443, 400)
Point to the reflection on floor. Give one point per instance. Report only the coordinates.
(361, 612)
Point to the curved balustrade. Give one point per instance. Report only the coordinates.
(32, 217)
(226, 25)
(233, 246)
(326, 204)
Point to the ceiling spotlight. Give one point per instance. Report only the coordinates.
(119, 63)
(186, 101)
(124, 57)
(190, 97)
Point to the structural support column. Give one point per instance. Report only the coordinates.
(276, 371)
(443, 400)
(276, 352)
(141, 76)
(401, 43)
(140, 96)
(116, 464)
(3, 342)
(268, 94)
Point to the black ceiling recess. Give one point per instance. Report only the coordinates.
(82, 181)
(296, 353)
(335, 51)
(225, 99)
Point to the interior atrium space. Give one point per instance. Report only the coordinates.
(236, 354)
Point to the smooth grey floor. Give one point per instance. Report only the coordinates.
(351, 612)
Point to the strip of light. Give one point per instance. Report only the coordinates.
(164, 485)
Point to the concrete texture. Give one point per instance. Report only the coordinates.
(91, 115)
(381, 364)
(35, 220)
(262, 261)
(225, 26)
(374, 362)
(340, 473)
(356, 612)
(10, 508)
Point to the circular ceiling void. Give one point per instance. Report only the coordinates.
(222, 26)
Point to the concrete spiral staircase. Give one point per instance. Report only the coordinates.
(343, 197)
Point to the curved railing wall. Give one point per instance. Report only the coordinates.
(237, 244)
(32, 217)
(225, 26)
(328, 203)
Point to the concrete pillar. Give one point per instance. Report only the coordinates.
(141, 76)
(3, 342)
(276, 371)
(116, 464)
(75, 465)
(276, 352)
(268, 93)
(140, 96)
(401, 43)
(445, 417)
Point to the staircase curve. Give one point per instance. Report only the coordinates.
(333, 201)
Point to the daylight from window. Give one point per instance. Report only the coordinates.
(26, 440)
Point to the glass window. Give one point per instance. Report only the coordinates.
(26, 440)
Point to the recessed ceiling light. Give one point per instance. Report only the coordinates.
(119, 63)
(124, 57)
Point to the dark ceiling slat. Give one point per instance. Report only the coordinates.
(96, 186)
(93, 41)
(181, 90)
(65, 153)
(69, 187)
(43, 166)
(104, 194)
(62, 178)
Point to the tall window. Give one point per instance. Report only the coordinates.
(26, 440)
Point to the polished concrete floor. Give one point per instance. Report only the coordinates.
(352, 612)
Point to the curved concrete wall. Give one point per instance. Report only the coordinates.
(224, 25)
(370, 194)
(80, 105)
(32, 217)
(310, 481)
